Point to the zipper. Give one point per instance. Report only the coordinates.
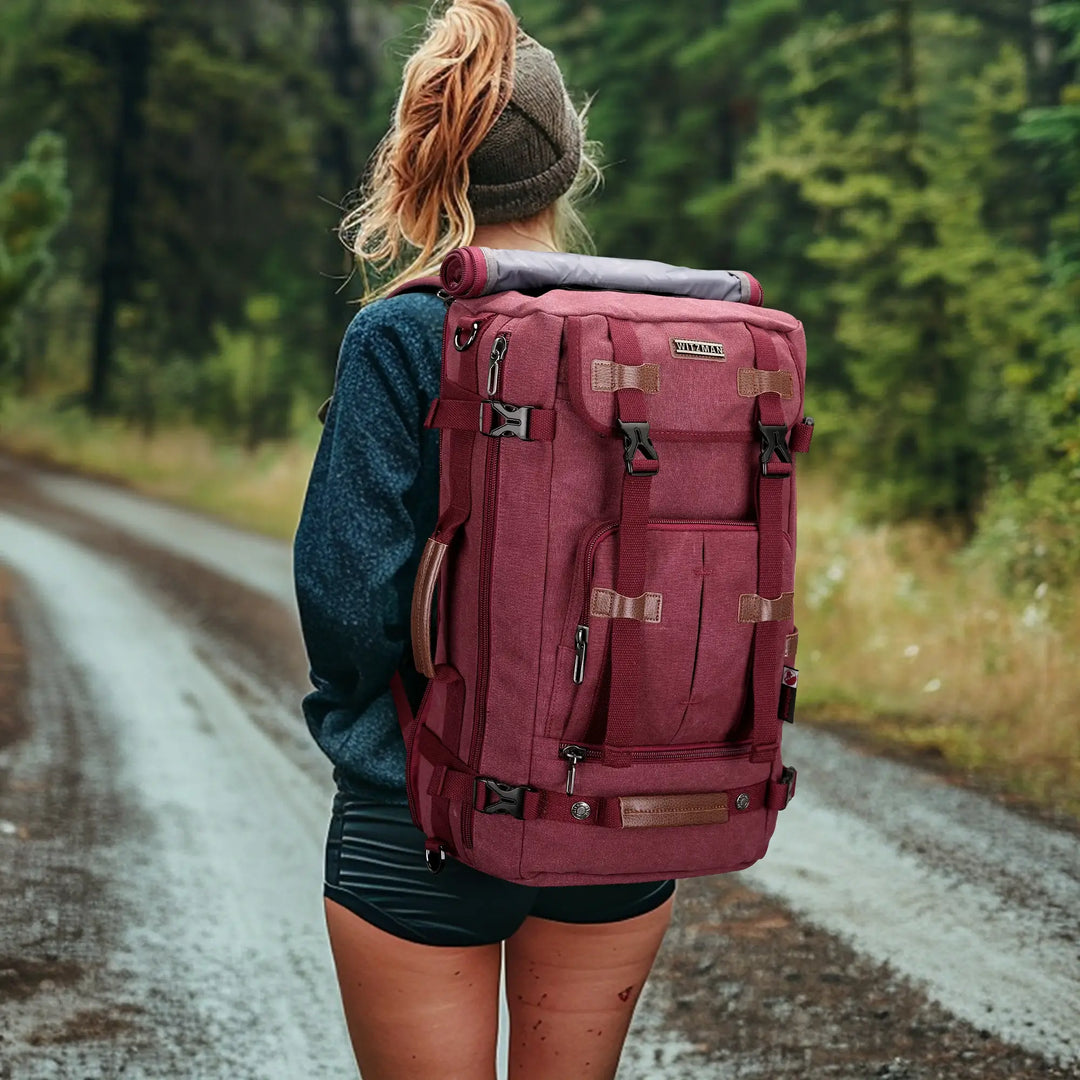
(491, 491)
(498, 351)
(575, 753)
(581, 631)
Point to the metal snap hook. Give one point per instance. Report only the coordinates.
(462, 346)
(435, 858)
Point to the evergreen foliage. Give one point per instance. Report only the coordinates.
(904, 176)
(34, 202)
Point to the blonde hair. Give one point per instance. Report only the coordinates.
(413, 199)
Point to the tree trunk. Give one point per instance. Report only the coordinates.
(353, 78)
(117, 264)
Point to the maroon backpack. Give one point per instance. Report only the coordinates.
(615, 554)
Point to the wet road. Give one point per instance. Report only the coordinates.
(160, 841)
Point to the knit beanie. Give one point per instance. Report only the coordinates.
(533, 151)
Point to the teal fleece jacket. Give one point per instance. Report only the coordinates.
(371, 503)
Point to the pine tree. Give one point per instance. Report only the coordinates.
(34, 201)
(933, 312)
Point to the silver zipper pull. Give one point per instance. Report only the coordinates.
(581, 642)
(573, 755)
(498, 351)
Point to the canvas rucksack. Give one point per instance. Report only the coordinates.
(614, 653)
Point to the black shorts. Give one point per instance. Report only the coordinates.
(375, 868)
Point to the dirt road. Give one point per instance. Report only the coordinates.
(162, 813)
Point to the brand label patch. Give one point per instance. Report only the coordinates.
(707, 350)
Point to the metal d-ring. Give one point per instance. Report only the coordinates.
(462, 346)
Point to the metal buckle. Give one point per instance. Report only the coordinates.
(636, 437)
(511, 797)
(773, 442)
(515, 417)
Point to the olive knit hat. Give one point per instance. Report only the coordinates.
(533, 151)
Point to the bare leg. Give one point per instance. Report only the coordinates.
(572, 989)
(415, 1011)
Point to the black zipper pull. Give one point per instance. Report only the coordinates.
(581, 643)
(573, 755)
(498, 351)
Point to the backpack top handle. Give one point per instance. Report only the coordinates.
(477, 271)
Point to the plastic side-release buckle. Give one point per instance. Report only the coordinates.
(510, 797)
(515, 418)
(773, 443)
(787, 778)
(636, 437)
(779, 793)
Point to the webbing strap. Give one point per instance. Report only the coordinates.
(455, 450)
(607, 811)
(801, 434)
(768, 643)
(481, 414)
(626, 634)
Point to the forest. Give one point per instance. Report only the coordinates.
(904, 176)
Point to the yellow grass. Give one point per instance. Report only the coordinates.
(913, 645)
(898, 638)
(262, 490)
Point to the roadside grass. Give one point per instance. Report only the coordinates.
(903, 641)
(261, 490)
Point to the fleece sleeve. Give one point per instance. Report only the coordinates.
(353, 547)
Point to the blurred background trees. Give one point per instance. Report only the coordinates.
(903, 175)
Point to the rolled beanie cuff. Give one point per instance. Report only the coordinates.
(493, 203)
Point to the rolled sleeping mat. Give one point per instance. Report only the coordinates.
(477, 271)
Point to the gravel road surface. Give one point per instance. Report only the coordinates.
(162, 812)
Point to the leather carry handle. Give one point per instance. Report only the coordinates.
(427, 574)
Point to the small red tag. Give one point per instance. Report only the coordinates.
(789, 681)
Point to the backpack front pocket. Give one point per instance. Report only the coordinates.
(695, 651)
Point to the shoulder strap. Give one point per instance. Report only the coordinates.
(431, 283)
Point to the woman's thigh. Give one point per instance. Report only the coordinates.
(572, 987)
(417, 954)
(415, 1011)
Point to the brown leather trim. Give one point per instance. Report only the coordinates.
(423, 590)
(791, 647)
(754, 381)
(609, 376)
(754, 608)
(609, 604)
(649, 810)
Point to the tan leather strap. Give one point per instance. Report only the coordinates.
(609, 604)
(610, 375)
(427, 574)
(754, 608)
(791, 647)
(754, 381)
(650, 810)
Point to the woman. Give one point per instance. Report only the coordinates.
(484, 149)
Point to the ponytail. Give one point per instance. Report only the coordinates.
(415, 192)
